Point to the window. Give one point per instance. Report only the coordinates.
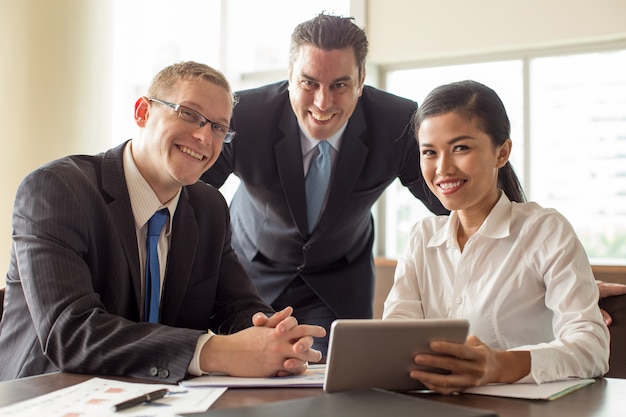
(578, 148)
(248, 40)
(259, 32)
(149, 35)
(569, 148)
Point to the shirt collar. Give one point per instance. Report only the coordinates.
(496, 226)
(143, 200)
(308, 143)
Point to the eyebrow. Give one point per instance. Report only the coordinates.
(195, 107)
(450, 142)
(337, 80)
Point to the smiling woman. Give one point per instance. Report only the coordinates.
(465, 143)
(524, 326)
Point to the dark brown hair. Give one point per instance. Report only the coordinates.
(328, 32)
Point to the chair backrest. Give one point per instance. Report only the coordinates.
(616, 307)
(1, 301)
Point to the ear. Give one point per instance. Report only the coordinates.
(141, 111)
(503, 152)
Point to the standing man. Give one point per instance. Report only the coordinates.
(94, 286)
(302, 249)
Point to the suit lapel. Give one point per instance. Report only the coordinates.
(288, 154)
(114, 184)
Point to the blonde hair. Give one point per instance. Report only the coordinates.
(164, 81)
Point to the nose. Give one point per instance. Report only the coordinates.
(444, 165)
(204, 134)
(323, 98)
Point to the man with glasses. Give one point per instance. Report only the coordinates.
(122, 264)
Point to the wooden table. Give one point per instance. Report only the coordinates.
(606, 397)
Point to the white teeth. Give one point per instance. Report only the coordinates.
(190, 152)
(321, 118)
(448, 185)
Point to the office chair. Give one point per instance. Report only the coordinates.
(1, 301)
(616, 307)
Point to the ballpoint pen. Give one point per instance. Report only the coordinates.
(151, 396)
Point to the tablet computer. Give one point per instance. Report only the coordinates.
(380, 353)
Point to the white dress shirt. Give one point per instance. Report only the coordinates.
(523, 281)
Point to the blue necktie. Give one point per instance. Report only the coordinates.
(316, 183)
(153, 272)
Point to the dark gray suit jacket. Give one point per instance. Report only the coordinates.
(74, 287)
(268, 210)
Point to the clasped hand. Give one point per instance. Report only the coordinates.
(273, 346)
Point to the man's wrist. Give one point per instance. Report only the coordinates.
(194, 366)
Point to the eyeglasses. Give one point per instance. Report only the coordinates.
(189, 115)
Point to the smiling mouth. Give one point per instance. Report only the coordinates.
(321, 118)
(450, 185)
(190, 152)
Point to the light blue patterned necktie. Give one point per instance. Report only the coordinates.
(153, 272)
(316, 183)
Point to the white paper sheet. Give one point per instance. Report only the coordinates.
(312, 377)
(97, 396)
(546, 391)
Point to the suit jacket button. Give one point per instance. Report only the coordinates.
(154, 371)
(164, 373)
(299, 269)
(306, 248)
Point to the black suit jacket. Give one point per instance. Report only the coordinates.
(74, 286)
(268, 210)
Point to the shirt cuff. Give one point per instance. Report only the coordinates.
(194, 365)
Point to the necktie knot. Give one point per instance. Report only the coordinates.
(156, 222)
(324, 148)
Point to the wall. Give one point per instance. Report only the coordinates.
(54, 87)
(422, 30)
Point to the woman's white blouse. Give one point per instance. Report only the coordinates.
(523, 281)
